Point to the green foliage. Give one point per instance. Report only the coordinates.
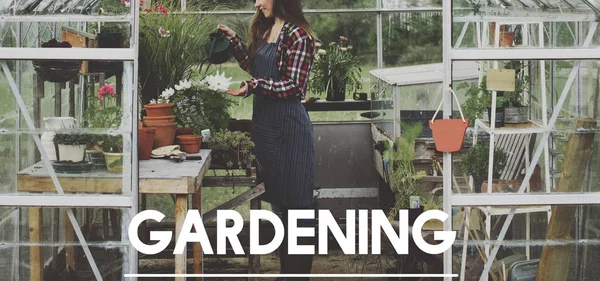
(102, 113)
(235, 146)
(201, 108)
(478, 99)
(73, 138)
(403, 175)
(432, 203)
(112, 143)
(164, 61)
(515, 99)
(476, 161)
(336, 66)
(415, 39)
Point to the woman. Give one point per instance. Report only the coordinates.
(279, 55)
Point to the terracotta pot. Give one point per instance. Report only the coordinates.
(159, 109)
(184, 131)
(165, 135)
(506, 38)
(189, 143)
(448, 134)
(145, 142)
(158, 120)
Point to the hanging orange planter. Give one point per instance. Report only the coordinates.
(448, 134)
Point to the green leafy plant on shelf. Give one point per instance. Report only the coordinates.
(335, 69)
(475, 162)
(516, 98)
(112, 143)
(66, 138)
(478, 99)
(233, 148)
(403, 175)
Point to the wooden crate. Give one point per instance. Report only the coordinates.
(79, 39)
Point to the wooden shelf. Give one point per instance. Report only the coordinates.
(526, 128)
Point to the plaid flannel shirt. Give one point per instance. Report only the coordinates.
(294, 57)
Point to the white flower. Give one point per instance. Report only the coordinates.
(318, 45)
(322, 52)
(343, 49)
(127, 4)
(165, 95)
(218, 82)
(183, 85)
(152, 101)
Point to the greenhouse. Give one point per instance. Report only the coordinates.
(485, 111)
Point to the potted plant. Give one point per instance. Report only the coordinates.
(161, 107)
(171, 45)
(102, 112)
(335, 70)
(112, 147)
(475, 162)
(516, 110)
(202, 105)
(233, 150)
(479, 101)
(58, 71)
(71, 146)
(403, 175)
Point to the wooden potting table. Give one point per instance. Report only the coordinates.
(156, 176)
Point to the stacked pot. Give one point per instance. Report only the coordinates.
(160, 117)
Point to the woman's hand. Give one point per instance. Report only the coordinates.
(236, 93)
(226, 30)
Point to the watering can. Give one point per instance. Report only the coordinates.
(218, 48)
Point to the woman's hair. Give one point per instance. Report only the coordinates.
(289, 11)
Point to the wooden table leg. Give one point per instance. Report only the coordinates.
(69, 237)
(36, 259)
(180, 212)
(254, 260)
(198, 265)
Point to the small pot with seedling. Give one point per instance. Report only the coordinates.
(113, 152)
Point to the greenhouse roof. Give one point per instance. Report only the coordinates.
(29, 7)
(563, 6)
(426, 74)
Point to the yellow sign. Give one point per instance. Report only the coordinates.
(501, 80)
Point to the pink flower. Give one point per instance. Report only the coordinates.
(343, 39)
(163, 32)
(106, 90)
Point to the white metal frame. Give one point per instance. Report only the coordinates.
(483, 54)
(129, 199)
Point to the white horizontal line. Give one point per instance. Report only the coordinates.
(287, 275)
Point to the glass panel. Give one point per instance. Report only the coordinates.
(411, 38)
(77, 35)
(520, 27)
(520, 122)
(68, 113)
(60, 7)
(36, 240)
(527, 240)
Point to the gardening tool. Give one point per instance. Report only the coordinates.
(448, 134)
(217, 48)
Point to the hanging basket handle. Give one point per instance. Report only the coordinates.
(457, 103)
